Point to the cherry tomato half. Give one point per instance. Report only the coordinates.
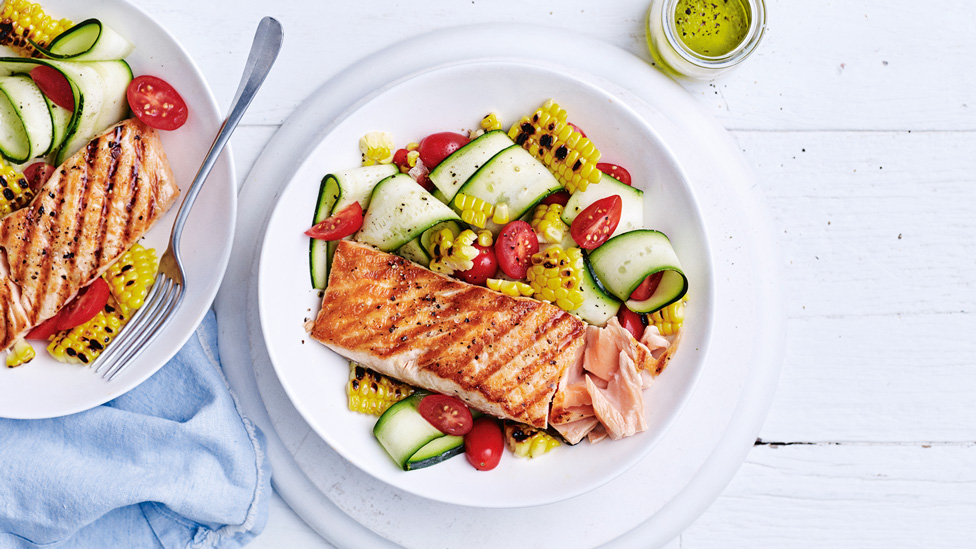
(81, 309)
(558, 197)
(37, 175)
(485, 266)
(594, 225)
(54, 86)
(400, 159)
(647, 287)
(156, 103)
(615, 171)
(630, 321)
(437, 146)
(449, 414)
(514, 248)
(484, 444)
(338, 225)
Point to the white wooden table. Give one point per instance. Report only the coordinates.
(859, 118)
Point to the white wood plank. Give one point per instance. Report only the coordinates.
(845, 496)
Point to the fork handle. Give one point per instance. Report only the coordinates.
(264, 51)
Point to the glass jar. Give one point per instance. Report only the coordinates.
(701, 39)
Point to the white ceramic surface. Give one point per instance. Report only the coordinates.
(455, 97)
(47, 388)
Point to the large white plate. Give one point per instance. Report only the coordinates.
(47, 388)
(455, 97)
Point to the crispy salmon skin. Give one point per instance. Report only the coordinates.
(502, 355)
(95, 206)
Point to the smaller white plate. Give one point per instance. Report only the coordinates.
(47, 388)
(454, 97)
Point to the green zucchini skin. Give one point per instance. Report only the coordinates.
(623, 262)
(400, 211)
(411, 440)
(459, 166)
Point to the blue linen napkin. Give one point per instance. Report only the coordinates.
(172, 463)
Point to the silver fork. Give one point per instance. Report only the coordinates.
(168, 290)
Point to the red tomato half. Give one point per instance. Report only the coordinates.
(615, 171)
(338, 225)
(54, 86)
(85, 305)
(485, 267)
(45, 329)
(594, 225)
(400, 159)
(484, 444)
(156, 103)
(514, 248)
(630, 321)
(647, 287)
(37, 175)
(437, 146)
(558, 197)
(449, 414)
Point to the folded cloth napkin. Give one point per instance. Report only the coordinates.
(172, 463)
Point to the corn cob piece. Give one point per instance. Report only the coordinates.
(129, 280)
(453, 253)
(547, 222)
(14, 190)
(571, 157)
(377, 148)
(21, 353)
(528, 442)
(22, 21)
(512, 288)
(372, 393)
(491, 122)
(669, 319)
(474, 211)
(555, 277)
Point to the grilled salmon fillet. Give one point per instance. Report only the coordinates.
(95, 206)
(502, 355)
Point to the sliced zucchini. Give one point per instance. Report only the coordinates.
(90, 40)
(27, 129)
(435, 452)
(455, 170)
(632, 203)
(88, 106)
(599, 305)
(624, 261)
(400, 211)
(115, 76)
(337, 191)
(62, 129)
(402, 431)
(513, 177)
(415, 252)
(61, 119)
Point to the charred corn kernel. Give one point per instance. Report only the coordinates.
(548, 223)
(555, 276)
(501, 216)
(377, 148)
(669, 319)
(369, 392)
(474, 211)
(22, 21)
(82, 344)
(485, 238)
(14, 191)
(491, 122)
(511, 288)
(21, 353)
(453, 253)
(547, 135)
(412, 157)
(528, 442)
(131, 276)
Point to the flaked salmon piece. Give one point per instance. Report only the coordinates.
(662, 348)
(502, 355)
(93, 208)
(576, 431)
(598, 434)
(620, 407)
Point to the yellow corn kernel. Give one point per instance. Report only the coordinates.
(21, 353)
(412, 146)
(412, 157)
(473, 210)
(453, 253)
(14, 191)
(23, 21)
(555, 276)
(547, 135)
(485, 238)
(669, 319)
(131, 277)
(369, 392)
(511, 288)
(475, 134)
(501, 216)
(82, 344)
(548, 223)
(528, 442)
(377, 148)
(491, 122)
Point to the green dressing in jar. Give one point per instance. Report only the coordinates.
(711, 28)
